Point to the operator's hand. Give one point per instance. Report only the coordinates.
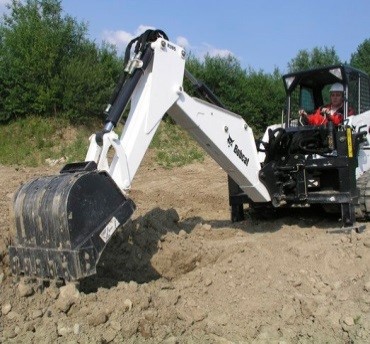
(303, 113)
(325, 111)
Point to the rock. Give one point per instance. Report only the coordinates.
(64, 305)
(130, 328)
(367, 243)
(13, 315)
(336, 285)
(296, 283)
(207, 227)
(109, 335)
(128, 304)
(145, 328)
(171, 340)
(132, 287)
(97, 319)
(348, 321)
(76, 329)
(115, 325)
(6, 308)
(10, 334)
(182, 234)
(63, 330)
(366, 299)
(37, 314)
(367, 286)
(54, 162)
(25, 290)
(53, 292)
(67, 297)
(30, 326)
(308, 307)
(288, 314)
(333, 318)
(208, 282)
(69, 291)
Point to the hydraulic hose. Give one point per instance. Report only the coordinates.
(124, 95)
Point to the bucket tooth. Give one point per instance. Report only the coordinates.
(64, 222)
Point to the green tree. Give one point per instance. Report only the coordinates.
(45, 58)
(264, 99)
(223, 75)
(256, 96)
(361, 58)
(317, 57)
(88, 80)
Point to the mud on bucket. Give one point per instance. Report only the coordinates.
(63, 222)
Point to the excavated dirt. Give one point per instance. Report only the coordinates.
(180, 272)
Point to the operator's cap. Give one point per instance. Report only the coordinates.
(337, 87)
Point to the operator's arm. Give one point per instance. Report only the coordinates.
(336, 118)
(316, 118)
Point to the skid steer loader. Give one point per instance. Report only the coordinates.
(63, 222)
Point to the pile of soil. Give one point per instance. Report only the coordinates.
(181, 272)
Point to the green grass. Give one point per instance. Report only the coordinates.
(174, 147)
(30, 141)
(33, 140)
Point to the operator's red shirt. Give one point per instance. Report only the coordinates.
(317, 118)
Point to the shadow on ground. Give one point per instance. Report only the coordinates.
(127, 256)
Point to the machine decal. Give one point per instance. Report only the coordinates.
(230, 141)
(109, 229)
(240, 155)
(349, 143)
(172, 47)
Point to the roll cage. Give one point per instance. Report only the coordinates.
(309, 90)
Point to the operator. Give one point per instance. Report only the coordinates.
(332, 112)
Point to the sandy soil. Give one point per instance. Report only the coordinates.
(180, 272)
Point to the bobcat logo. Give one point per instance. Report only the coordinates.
(230, 141)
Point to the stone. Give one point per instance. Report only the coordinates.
(37, 313)
(69, 291)
(25, 290)
(97, 319)
(348, 321)
(128, 304)
(6, 308)
(367, 286)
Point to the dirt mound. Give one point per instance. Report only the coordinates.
(180, 272)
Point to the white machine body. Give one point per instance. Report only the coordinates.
(224, 135)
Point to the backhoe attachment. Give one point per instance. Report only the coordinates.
(63, 222)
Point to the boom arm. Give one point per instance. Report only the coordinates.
(224, 135)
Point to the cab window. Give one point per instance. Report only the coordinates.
(306, 101)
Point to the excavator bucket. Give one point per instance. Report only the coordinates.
(63, 222)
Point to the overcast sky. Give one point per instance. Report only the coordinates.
(261, 34)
